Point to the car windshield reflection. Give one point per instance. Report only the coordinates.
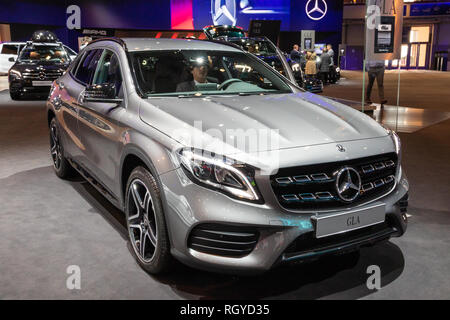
(197, 73)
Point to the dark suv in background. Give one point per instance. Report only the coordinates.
(40, 62)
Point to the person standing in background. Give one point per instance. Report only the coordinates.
(295, 54)
(332, 71)
(310, 68)
(330, 53)
(375, 70)
(325, 60)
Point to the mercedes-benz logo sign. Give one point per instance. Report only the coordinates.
(348, 184)
(316, 9)
(223, 12)
(340, 147)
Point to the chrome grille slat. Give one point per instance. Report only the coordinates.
(302, 179)
(42, 75)
(313, 187)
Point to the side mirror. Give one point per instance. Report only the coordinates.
(101, 93)
(11, 59)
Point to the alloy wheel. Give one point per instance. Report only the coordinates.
(141, 221)
(55, 147)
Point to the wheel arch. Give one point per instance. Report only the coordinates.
(132, 157)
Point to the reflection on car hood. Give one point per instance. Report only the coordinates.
(301, 119)
(27, 67)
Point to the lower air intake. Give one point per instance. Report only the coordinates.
(223, 240)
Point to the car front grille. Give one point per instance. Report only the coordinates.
(42, 75)
(313, 187)
(223, 240)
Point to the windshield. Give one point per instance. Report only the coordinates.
(42, 53)
(198, 73)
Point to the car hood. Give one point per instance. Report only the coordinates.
(293, 120)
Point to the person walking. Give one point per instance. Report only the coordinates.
(325, 60)
(375, 70)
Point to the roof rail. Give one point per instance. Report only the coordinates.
(115, 39)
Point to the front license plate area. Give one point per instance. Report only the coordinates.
(41, 83)
(352, 220)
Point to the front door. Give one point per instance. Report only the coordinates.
(70, 87)
(99, 125)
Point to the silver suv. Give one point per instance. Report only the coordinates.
(218, 160)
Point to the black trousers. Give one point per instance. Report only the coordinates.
(324, 76)
(378, 74)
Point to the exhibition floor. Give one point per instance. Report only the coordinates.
(418, 88)
(47, 224)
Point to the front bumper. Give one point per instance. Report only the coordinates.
(283, 236)
(26, 88)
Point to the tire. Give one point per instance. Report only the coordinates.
(146, 222)
(61, 166)
(14, 95)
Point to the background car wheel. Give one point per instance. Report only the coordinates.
(14, 95)
(62, 167)
(146, 223)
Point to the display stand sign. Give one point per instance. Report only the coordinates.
(384, 23)
(308, 39)
(265, 28)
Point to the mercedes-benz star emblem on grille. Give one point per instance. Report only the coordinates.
(42, 76)
(348, 184)
(316, 9)
(340, 147)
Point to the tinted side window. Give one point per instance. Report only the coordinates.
(108, 71)
(87, 66)
(9, 49)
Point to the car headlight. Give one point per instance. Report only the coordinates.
(395, 139)
(14, 74)
(398, 150)
(221, 174)
(397, 142)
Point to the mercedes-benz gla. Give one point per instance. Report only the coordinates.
(218, 160)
